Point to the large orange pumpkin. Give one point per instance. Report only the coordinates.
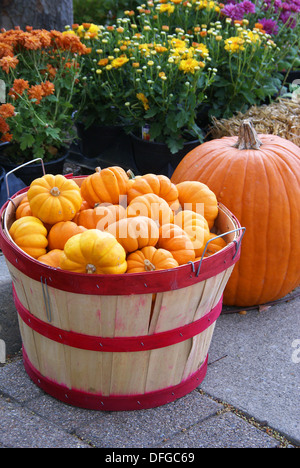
(257, 177)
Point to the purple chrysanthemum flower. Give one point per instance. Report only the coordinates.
(247, 7)
(269, 25)
(232, 11)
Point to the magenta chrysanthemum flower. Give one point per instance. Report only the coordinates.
(269, 25)
(247, 7)
(237, 11)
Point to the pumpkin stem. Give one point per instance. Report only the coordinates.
(148, 265)
(55, 191)
(130, 174)
(248, 138)
(98, 169)
(90, 268)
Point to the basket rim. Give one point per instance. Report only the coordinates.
(125, 283)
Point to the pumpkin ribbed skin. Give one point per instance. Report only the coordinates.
(261, 187)
(196, 196)
(152, 206)
(30, 235)
(196, 226)
(174, 239)
(150, 259)
(135, 233)
(23, 209)
(94, 252)
(107, 185)
(152, 183)
(100, 216)
(54, 198)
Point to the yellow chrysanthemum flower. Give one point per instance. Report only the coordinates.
(189, 65)
(119, 62)
(234, 44)
(166, 7)
(141, 97)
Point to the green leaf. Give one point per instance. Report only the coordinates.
(26, 141)
(53, 132)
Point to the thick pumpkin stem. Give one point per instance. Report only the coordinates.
(248, 138)
(130, 174)
(55, 191)
(90, 268)
(148, 265)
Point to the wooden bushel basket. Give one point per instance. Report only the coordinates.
(118, 342)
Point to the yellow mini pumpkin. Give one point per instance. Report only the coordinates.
(30, 235)
(54, 198)
(196, 226)
(195, 196)
(94, 252)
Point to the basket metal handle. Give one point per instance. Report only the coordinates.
(19, 167)
(237, 243)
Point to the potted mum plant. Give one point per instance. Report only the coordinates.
(96, 119)
(154, 82)
(40, 69)
(250, 44)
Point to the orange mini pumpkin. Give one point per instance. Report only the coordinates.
(150, 259)
(23, 208)
(61, 232)
(100, 216)
(135, 233)
(151, 183)
(214, 245)
(152, 206)
(107, 185)
(52, 258)
(195, 196)
(174, 239)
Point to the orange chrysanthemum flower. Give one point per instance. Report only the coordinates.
(8, 62)
(103, 62)
(7, 137)
(31, 41)
(4, 127)
(7, 110)
(48, 88)
(36, 92)
(18, 88)
(6, 50)
(51, 70)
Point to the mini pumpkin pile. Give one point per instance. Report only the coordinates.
(115, 223)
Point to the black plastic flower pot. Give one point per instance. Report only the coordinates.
(156, 158)
(32, 171)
